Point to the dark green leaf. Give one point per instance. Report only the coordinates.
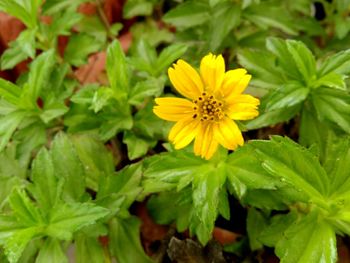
(124, 238)
(188, 14)
(78, 49)
(226, 16)
(256, 222)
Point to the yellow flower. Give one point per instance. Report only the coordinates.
(214, 101)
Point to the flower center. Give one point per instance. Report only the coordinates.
(208, 108)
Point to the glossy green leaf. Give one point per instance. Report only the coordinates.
(88, 249)
(338, 63)
(308, 240)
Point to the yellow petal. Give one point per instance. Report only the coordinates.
(205, 145)
(185, 79)
(212, 71)
(227, 133)
(239, 87)
(231, 80)
(243, 107)
(173, 109)
(183, 132)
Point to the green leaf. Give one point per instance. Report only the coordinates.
(274, 116)
(16, 244)
(303, 58)
(45, 188)
(308, 240)
(144, 89)
(287, 96)
(206, 188)
(78, 49)
(137, 146)
(285, 59)
(274, 232)
(39, 75)
(124, 186)
(124, 237)
(24, 209)
(332, 80)
(332, 105)
(267, 15)
(97, 160)
(244, 171)
(20, 10)
(294, 166)
(68, 166)
(262, 66)
(338, 63)
(117, 70)
(8, 125)
(145, 57)
(88, 249)
(188, 14)
(226, 16)
(51, 7)
(51, 251)
(19, 50)
(162, 172)
(65, 219)
(180, 211)
(256, 222)
(9, 91)
(168, 56)
(134, 8)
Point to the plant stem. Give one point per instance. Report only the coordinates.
(104, 19)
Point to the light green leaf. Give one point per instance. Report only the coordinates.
(15, 245)
(24, 209)
(65, 219)
(331, 80)
(19, 50)
(39, 75)
(51, 251)
(19, 10)
(68, 166)
(117, 70)
(168, 56)
(45, 188)
(9, 91)
(88, 249)
(338, 63)
(134, 8)
(125, 245)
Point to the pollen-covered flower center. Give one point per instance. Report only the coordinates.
(208, 108)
